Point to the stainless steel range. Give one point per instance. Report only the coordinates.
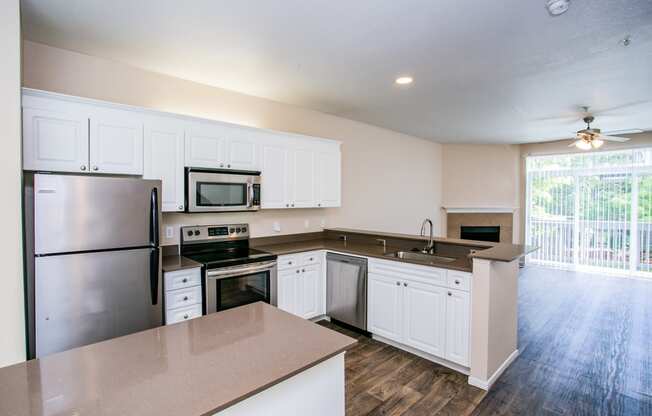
(234, 274)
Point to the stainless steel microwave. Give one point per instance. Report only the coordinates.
(210, 190)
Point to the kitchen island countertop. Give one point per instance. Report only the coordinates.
(196, 367)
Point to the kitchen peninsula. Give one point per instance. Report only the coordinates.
(231, 363)
(483, 331)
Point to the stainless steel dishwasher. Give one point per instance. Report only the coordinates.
(346, 289)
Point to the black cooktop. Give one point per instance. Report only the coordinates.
(215, 257)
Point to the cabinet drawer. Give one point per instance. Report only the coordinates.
(309, 258)
(288, 261)
(182, 297)
(173, 316)
(181, 279)
(459, 280)
(414, 272)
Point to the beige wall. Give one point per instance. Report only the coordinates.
(482, 176)
(12, 324)
(390, 181)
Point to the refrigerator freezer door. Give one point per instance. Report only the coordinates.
(90, 297)
(82, 213)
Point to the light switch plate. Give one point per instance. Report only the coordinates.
(169, 231)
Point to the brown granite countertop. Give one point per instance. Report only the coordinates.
(361, 249)
(195, 367)
(494, 251)
(176, 262)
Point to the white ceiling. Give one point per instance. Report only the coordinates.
(485, 71)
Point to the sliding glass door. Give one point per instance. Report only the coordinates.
(591, 211)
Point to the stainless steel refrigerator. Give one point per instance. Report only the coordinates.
(93, 259)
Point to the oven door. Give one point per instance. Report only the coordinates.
(217, 191)
(229, 287)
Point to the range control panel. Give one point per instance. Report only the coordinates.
(223, 232)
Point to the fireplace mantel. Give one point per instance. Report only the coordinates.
(479, 210)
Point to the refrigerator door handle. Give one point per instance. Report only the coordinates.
(153, 218)
(153, 274)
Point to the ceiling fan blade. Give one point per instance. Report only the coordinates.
(613, 138)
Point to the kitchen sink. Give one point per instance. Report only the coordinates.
(420, 257)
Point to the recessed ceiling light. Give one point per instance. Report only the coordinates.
(404, 80)
(557, 7)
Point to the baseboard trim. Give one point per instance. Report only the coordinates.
(486, 384)
(422, 354)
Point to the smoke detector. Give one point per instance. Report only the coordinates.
(557, 7)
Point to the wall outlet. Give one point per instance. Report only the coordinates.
(169, 231)
(306, 223)
(276, 227)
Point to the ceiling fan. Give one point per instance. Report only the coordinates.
(592, 138)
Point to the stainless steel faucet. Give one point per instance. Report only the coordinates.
(430, 248)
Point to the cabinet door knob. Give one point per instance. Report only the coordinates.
(180, 206)
(289, 262)
(298, 271)
(450, 294)
(319, 205)
(185, 316)
(293, 205)
(96, 168)
(228, 166)
(310, 258)
(457, 282)
(405, 284)
(398, 283)
(185, 280)
(185, 298)
(303, 270)
(221, 165)
(287, 205)
(82, 167)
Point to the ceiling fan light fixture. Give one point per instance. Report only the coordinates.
(583, 145)
(597, 143)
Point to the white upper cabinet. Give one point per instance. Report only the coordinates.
(274, 180)
(71, 134)
(55, 140)
(328, 178)
(205, 146)
(302, 179)
(116, 142)
(164, 145)
(216, 146)
(300, 173)
(242, 151)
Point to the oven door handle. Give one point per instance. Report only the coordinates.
(230, 272)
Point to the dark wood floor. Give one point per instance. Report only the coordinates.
(586, 349)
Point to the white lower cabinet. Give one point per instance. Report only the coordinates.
(384, 306)
(413, 305)
(183, 295)
(301, 285)
(457, 326)
(425, 317)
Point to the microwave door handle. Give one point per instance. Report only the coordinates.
(250, 195)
